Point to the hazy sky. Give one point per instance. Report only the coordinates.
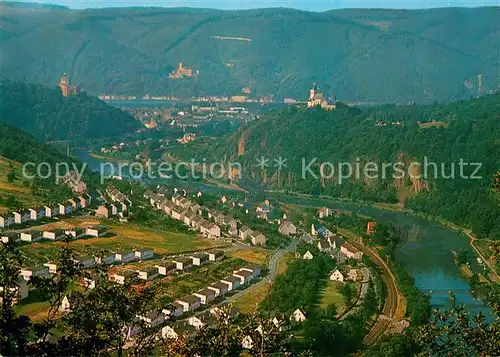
(311, 5)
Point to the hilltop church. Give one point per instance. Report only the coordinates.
(316, 98)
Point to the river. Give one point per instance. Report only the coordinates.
(425, 250)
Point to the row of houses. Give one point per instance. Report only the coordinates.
(75, 182)
(166, 268)
(117, 196)
(51, 211)
(111, 210)
(33, 235)
(89, 262)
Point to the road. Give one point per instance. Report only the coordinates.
(493, 273)
(272, 270)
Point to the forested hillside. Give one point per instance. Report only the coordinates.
(46, 114)
(447, 134)
(354, 54)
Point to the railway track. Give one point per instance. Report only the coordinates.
(391, 303)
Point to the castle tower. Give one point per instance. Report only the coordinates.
(64, 85)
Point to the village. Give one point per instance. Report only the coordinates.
(238, 228)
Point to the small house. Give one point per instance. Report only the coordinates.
(189, 303)
(287, 228)
(40, 270)
(351, 252)
(31, 236)
(307, 255)
(219, 288)
(122, 277)
(37, 213)
(147, 274)
(65, 208)
(337, 276)
(370, 228)
(174, 310)
(52, 267)
(206, 295)
(216, 255)
(75, 233)
(323, 212)
(103, 211)
(200, 259)
(6, 220)
(152, 318)
(232, 282)
(96, 231)
(299, 315)
(106, 259)
(257, 238)
(253, 268)
(306, 238)
(125, 257)
(166, 268)
(21, 217)
(65, 306)
(85, 262)
(183, 263)
(244, 232)
(144, 254)
(10, 237)
(175, 330)
(52, 211)
(244, 275)
(55, 234)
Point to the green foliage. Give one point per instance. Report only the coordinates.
(133, 51)
(48, 115)
(350, 135)
(300, 286)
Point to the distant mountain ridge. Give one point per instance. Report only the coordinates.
(354, 54)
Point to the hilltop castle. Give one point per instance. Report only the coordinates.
(316, 98)
(182, 71)
(66, 89)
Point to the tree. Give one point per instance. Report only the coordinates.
(455, 333)
(11, 176)
(462, 257)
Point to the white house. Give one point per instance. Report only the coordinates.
(143, 254)
(323, 212)
(76, 232)
(351, 252)
(21, 216)
(37, 271)
(337, 276)
(174, 310)
(200, 259)
(189, 303)
(147, 274)
(85, 262)
(6, 220)
(152, 318)
(299, 316)
(206, 295)
(307, 255)
(244, 275)
(52, 211)
(96, 231)
(125, 257)
(31, 236)
(175, 330)
(37, 213)
(352, 274)
(287, 228)
(257, 238)
(219, 288)
(55, 234)
(232, 282)
(122, 277)
(166, 268)
(184, 263)
(252, 268)
(52, 267)
(216, 255)
(65, 306)
(106, 259)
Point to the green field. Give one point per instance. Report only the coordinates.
(333, 295)
(121, 236)
(16, 188)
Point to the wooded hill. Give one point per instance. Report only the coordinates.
(46, 114)
(468, 130)
(383, 56)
